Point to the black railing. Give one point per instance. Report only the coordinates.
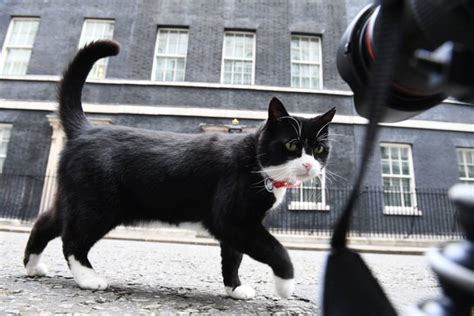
(431, 216)
(304, 212)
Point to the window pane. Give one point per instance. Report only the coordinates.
(385, 167)
(396, 168)
(469, 156)
(470, 171)
(462, 171)
(395, 153)
(405, 168)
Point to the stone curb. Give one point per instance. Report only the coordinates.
(313, 243)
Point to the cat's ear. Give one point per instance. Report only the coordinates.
(276, 110)
(323, 121)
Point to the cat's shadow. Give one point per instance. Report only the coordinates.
(163, 295)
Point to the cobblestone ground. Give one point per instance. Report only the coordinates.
(148, 277)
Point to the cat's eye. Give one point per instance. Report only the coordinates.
(291, 146)
(318, 150)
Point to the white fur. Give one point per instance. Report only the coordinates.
(243, 292)
(279, 195)
(34, 267)
(85, 277)
(284, 288)
(194, 226)
(294, 170)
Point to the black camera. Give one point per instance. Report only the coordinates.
(435, 60)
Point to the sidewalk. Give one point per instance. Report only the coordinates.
(296, 242)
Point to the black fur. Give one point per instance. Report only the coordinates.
(118, 175)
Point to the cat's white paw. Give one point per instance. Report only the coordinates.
(243, 292)
(86, 277)
(284, 288)
(34, 267)
(93, 283)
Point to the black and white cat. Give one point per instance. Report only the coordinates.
(116, 175)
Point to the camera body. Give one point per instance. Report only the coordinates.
(434, 59)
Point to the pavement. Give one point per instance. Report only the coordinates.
(152, 278)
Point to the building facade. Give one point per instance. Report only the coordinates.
(187, 66)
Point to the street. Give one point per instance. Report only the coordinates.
(150, 277)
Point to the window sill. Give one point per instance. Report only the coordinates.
(308, 206)
(403, 211)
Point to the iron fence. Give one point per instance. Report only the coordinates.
(304, 211)
(433, 216)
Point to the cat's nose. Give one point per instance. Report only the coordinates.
(308, 166)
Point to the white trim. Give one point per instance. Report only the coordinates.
(7, 40)
(254, 53)
(403, 211)
(224, 113)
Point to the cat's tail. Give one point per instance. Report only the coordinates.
(70, 89)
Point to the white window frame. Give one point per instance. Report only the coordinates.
(82, 43)
(463, 151)
(6, 46)
(253, 59)
(320, 63)
(4, 138)
(402, 210)
(310, 205)
(155, 54)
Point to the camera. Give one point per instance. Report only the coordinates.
(435, 60)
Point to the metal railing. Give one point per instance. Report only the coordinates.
(433, 216)
(303, 212)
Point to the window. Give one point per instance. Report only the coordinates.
(306, 70)
(309, 196)
(18, 45)
(398, 181)
(170, 55)
(466, 164)
(238, 58)
(93, 30)
(4, 139)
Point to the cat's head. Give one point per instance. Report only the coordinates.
(293, 148)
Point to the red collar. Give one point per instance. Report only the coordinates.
(285, 184)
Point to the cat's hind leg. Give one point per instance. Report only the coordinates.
(231, 260)
(79, 235)
(46, 228)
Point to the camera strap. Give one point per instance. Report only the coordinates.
(387, 47)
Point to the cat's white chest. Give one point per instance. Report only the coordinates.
(279, 196)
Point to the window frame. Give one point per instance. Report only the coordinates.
(301, 205)
(401, 210)
(81, 44)
(8, 127)
(155, 53)
(253, 59)
(465, 164)
(320, 63)
(8, 36)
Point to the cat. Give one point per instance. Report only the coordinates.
(115, 175)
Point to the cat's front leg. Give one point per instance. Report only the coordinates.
(259, 244)
(231, 260)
